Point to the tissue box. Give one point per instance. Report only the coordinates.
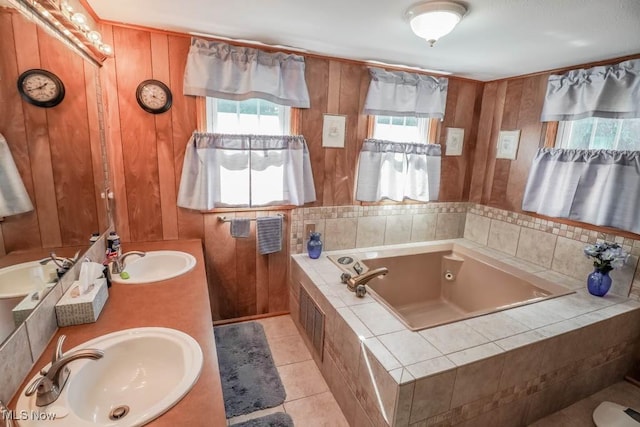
(28, 303)
(76, 309)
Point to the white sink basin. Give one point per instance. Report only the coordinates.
(156, 266)
(148, 370)
(19, 279)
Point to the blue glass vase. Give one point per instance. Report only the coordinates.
(598, 283)
(314, 245)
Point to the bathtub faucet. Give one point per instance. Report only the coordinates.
(356, 284)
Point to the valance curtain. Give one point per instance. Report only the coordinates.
(600, 187)
(245, 171)
(610, 91)
(398, 171)
(237, 73)
(398, 93)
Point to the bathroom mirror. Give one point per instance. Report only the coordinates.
(58, 153)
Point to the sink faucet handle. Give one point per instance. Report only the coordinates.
(33, 387)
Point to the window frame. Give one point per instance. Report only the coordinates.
(289, 122)
(201, 126)
(555, 133)
(431, 127)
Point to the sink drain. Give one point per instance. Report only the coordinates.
(118, 412)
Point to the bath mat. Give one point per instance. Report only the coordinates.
(250, 380)
(279, 419)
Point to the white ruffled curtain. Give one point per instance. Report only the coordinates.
(237, 73)
(600, 187)
(256, 170)
(14, 198)
(398, 93)
(609, 91)
(398, 171)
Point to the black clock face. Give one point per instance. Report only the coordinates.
(41, 88)
(154, 96)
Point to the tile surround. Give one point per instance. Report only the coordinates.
(507, 344)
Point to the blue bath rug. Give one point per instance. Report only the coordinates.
(250, 380)
(279, 419)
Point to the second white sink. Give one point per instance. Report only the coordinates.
(156, 266)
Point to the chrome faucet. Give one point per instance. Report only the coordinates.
(356, 284)
(65, 263)
(51, 382)
(118, 262)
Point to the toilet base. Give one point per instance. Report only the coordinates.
(609, 414)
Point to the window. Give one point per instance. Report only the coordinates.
(252, 117)
(401, 129)
(596, 133)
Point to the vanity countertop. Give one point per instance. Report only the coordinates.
(181, 303)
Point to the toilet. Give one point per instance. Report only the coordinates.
(609, 414)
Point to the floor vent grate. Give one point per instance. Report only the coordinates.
(312, 321)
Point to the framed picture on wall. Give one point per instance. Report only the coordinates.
(455, 140)
(508, 141)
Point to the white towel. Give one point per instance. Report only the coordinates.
(13, 195)
(240, 227)
(269, 231)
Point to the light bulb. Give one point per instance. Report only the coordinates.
(78, 19)
(106, 49)
(94, 36)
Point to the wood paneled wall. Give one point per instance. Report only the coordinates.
(146, 154)
(56, 150)
(507, 105)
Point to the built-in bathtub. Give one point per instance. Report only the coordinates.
(449, 282)
(504, 368)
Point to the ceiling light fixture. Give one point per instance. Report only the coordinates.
(434, 19)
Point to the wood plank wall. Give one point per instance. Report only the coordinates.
(57, 149)
(146, 154)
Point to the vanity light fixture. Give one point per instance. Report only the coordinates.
(434, 19)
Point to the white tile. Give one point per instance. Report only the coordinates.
(534, 315)
(453, 337)
(377, 319)
(561, 279)
(520, 340)
(409, 347)
(430, 367)
(474, 354)
(496, 326)
(558, 328)
(381, 353)
(523, 265)
(476, 228)
(354, 322)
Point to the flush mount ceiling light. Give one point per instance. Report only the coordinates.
(434, 19)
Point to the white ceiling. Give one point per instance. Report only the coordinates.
(496, 38)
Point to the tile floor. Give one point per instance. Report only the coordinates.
(579, 414)
(309, 401)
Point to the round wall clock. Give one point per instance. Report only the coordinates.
(154, 96)
(41, 88)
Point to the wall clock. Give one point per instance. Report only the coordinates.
(41, 88)
(154, 96)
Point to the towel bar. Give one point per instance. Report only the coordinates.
(225, 219)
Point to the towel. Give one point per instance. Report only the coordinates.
(269, 231)
(13, 195)
(240, 227)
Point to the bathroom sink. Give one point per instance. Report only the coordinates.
(156, 266)
(20, 279)
(144, 372)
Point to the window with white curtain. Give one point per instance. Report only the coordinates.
(401, 129)
(597, 133)
(252, 117)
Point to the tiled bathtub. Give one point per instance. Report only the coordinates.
(506, 368)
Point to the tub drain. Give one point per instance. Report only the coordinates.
(118, 412)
